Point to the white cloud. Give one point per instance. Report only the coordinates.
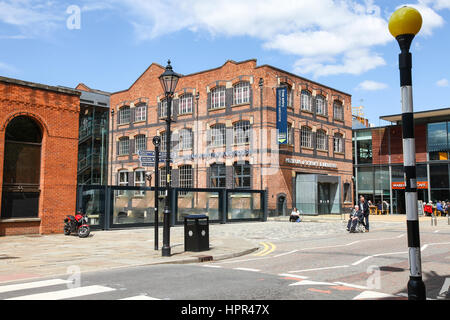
(430, 18)
(436, 4)
(442, 83)
(370, 85)
(329, 37)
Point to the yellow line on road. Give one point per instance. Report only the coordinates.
(268, 248)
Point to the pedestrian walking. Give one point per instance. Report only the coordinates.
(364, 207)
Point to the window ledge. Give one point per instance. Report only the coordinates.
(241, 104)
(19, 220)
(123, 124)
(308, 148)
(322, 115)
(216, 109)
(340, 120)
(140, 121)
(306, 111)
(341, 153)
(322, 150)
(185, 114)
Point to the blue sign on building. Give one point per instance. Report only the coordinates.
(282, 115)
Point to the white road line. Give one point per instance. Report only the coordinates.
(210, 266)
(424, 247)
(292, 276)
(377, 255)
(65, 294)
(352, 285)
(33, 285)
(247, 269)
(140, 298)
(312, 283)
(316, 269)
(436, 231)
(284, 254)
(372, 295)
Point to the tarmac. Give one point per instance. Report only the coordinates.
(35, 256)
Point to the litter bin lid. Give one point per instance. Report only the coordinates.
(196, 216)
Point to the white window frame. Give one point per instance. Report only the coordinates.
(122, 182)
(306, 101)
(139, 173)
(218, 135)
(140, 143)
(241, 132)
(338, 111)
(320, 105)
(321, 140)
(186, 178)
(186, 104)
(140, 113)
(218, 97)
(124, 146)
(241, 93)
(338, 142)
(185, 139)
(306, 140)
(124, 115)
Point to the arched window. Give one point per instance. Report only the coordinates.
(185, 139)
(140, 112)
(218, 97)
(124, 115)
(338, 142)
(306, 137)
(289, 93)
(321, 142)
(338, 110)
(186, 102)
(241, 132)
(140, 143)
(124, 146)
(163, 109)
(321, 107)
(241, 93)
(306, 101)
(217, 133)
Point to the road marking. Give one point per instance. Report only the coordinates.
(372, 295)
(268, 248)
(286, 253)
(143, 297)
(65, 294)
(320, 291)
(247, 269)
(210, 266)
(436, 231)
(313, 283)
(292, 276)
(33, 285)
(352, 285)
(316, 269)
(377, 255)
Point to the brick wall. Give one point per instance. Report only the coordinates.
(56, 111)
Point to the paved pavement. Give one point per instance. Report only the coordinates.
(35, 256)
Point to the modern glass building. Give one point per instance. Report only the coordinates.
(378, 160)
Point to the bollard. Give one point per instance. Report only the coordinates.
(433, 220)
(448, 218)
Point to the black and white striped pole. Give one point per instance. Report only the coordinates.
(404, 24)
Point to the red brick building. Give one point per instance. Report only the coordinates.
(38, 152)
(224, 135)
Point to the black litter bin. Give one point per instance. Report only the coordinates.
(196, 233)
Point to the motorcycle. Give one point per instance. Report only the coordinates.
(77, 224)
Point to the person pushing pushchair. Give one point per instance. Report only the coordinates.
(355, 217)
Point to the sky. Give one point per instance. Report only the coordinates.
(342, 44)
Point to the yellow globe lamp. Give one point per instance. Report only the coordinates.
(405, 20)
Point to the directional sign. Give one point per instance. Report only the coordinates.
(145, 153)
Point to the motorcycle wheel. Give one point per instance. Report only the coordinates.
(84, 231)
(66, 230)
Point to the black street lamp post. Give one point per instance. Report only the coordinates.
(169, 81)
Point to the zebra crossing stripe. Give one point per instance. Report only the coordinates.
(33, 285)
(65, 294)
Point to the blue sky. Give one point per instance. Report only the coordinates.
(343, 44)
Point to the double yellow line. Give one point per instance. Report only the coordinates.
(268, 248)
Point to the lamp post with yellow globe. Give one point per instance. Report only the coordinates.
(404, 24)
